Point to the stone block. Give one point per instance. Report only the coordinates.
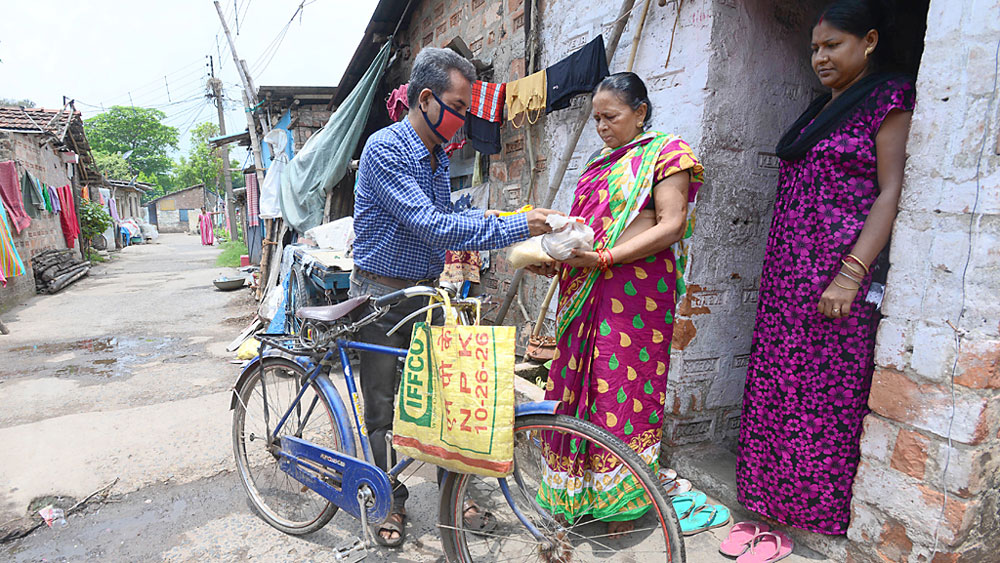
(892, 344)
(680, 431)
(725, 392)
(909, 454)
(877, 439)
(928, 407)
(933, 352)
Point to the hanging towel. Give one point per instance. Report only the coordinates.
(54, 198)
(85, 194)
(10, 261)
(67, 215)
(484, 136)
(253, 199)
(10, 192)
(526, 96)
(487, 100)
(113, 209)
(578, 73)
(32, 196)
(398, 104)
(46, 195)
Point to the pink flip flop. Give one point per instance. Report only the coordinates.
(767, 547)
(741, 535)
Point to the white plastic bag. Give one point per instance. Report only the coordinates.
(335, 235)
(568, 233)
(270, 206)
(528, 253)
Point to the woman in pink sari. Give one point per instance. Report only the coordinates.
(206, 227)
(616, 305)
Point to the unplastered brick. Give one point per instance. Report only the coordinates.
(877, 439)
(933, 352)
(914, 503)
(928, 407)
(891, 350)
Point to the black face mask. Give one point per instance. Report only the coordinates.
(449, 122)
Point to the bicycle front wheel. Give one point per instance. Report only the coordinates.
(650, 531)
(264, 398)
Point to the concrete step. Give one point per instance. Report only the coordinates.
(712, 469)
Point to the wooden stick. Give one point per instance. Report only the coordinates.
(635, 38)
(574, 137)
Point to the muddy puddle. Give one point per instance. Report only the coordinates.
(105, 357)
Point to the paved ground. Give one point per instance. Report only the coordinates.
(125, 376)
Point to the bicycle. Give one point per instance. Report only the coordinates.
(295, 444)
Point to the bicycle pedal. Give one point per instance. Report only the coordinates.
(352, 551)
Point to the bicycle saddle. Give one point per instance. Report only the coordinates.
(330, 313)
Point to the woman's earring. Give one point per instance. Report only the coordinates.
(868, 52)
(641, 124)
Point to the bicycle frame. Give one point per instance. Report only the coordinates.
(332, 394)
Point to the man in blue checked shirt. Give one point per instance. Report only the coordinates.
(403, 224)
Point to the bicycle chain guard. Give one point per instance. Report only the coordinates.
(336, 477)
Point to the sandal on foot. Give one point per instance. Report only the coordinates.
(481, 521)
(678, 486)
(705, 517)
(741, 535)
(767, 547)
(685, 503)
(396, 522)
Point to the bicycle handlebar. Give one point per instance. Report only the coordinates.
(391, 299)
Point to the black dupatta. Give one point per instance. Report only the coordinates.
(794, 146)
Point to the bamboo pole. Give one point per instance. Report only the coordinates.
(638, 34)
(574, 138)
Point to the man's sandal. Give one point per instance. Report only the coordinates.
(396, 522)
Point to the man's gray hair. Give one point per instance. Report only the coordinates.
(432, 69)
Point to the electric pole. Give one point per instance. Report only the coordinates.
(227, 180)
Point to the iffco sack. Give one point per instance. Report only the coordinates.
(455, 406)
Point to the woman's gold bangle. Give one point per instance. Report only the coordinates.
(860, 262)
(853, 269)
(842, 286)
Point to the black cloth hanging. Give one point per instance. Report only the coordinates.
(578, 73)
(483, 135)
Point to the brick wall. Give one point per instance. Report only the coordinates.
(899, 491)
(45, 232)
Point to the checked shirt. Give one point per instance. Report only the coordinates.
(403, 216)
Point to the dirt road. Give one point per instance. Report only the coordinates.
(125, 376)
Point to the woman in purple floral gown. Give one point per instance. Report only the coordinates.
(812, 357)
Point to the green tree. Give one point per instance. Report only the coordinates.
(140, 130)
(113, 166)
(11, 102)
(203, 163)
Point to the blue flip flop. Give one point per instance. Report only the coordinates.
(705, 517)
(685, 503)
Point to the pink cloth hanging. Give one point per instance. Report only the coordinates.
(10, 193)
(398, 104)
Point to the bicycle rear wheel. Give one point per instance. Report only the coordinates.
(279, 499)
(655, 536)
